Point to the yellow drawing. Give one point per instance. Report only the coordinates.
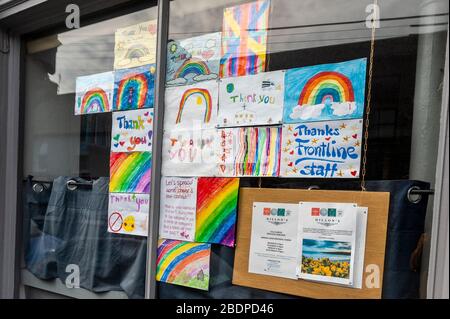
(129, 224)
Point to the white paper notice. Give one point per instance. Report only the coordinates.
(327, 233)
(128, 214)
(360, 247)
(252, 100)
(274, 245)
(178, 208)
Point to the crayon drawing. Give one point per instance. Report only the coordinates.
(216, 210)
(128, 214)
(322, 149)
(244, 39)
(130, 172)
(134, 88)
(132, 131)
(135, 45)
(94, 93)
(182, 263)
(189, 153)
(192, 106)
(257, 151)
(325, 92)
(252, 100)
(193, 60)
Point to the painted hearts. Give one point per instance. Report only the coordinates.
(355, 136)
(327, 138)
(116, 137)
(291, 164)
(354, 173)
(291, 152)
(122, 143)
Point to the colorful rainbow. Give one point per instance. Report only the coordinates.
(258, 151)
(192, 66)
(216, 210)
(137, 51)
(131, 92)
(333, 86)
(203, 93)
(130, 172)
(94, 101)
(183, 263)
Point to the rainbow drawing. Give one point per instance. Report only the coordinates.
(94, 93)
(325, 92)
(137, 51)
(258, 151)
(130, 172)
(203, 95)
(244, 39)
(94, 101)
(192, 66)
(216, 210)
(134, 89)
(327, 87)
(183, 263)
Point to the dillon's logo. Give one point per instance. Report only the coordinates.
(326, 216)
(276, 216)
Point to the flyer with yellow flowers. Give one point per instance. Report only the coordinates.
(327, 233)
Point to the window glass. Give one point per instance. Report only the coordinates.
(79, 230)
(216, 46)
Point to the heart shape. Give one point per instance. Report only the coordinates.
(122, 143)
(116, 145)
(149, 121)
(355, 136)
(117, 137)
(291, 152)
(327, 138)
(146, 114)
(290, 164)
(207, 54)
(354, 173)
(295, 134)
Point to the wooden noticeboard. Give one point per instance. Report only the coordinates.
(378, 208)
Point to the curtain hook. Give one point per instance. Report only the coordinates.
(413, 198)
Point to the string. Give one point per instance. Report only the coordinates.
(368, 104)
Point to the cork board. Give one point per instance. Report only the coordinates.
(378, 204)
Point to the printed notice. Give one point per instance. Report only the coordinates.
(327, 233)
(178, 208)
(274, 245)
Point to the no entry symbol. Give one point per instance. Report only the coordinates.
(115, 222)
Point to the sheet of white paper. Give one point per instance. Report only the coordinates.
(360, 248)
(178, 208)
(191, 106)
(190, 153)
(128, 214)
(132, 131)
(274, 244)
(327, 233)
(251, 100)
(322, 149)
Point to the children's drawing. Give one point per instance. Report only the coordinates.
(193, 60)
(192, 106)
(128, 214)
(94, 93)
(130, 172)
(132, 131)
(257, 151)
(216, 210)
(134, 88)
(322, 149)
(244, 39)
(184, 264)
(178, 207)
(189, 153)
(251, 100)
(325, 92)
(135, 45)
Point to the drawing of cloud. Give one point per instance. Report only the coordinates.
(341, 109)
(205, 77)
(306, 112)
(176, 82)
